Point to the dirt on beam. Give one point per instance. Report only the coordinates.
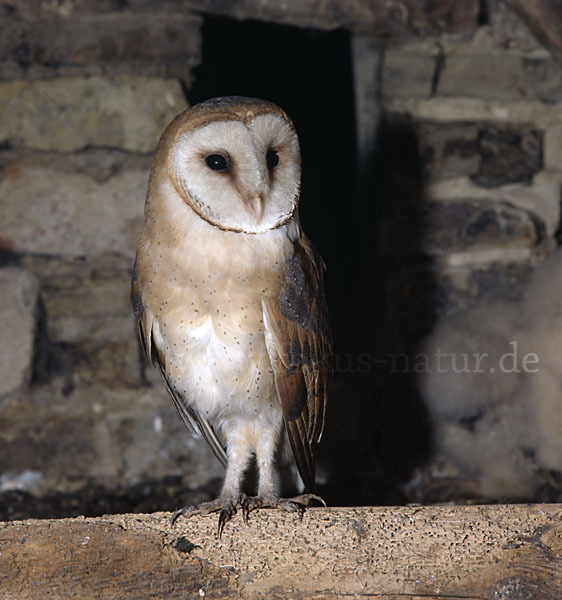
(507, 552)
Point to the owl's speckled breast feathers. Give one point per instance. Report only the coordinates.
(206, 301)
(228, 291)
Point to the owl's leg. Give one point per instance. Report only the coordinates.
(238, 454)
(267, 491)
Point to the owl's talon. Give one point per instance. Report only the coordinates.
(177, 513)
(297, 504)
(305, 499)
(227, 512)
(250, 503)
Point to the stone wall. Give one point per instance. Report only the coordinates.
(472, 100)
(467, 216)
(84, 96)
(487, 117)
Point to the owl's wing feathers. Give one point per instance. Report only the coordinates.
(299, 347)
(195, 423)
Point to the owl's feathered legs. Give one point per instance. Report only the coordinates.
(239, 452)
(267, 493)
(243, 439)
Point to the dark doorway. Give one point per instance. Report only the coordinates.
(308, 73)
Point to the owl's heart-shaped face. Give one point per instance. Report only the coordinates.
(239, 174)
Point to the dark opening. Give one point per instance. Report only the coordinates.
(309, 74)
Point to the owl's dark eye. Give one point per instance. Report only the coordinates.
(272, 158)
(217, 162)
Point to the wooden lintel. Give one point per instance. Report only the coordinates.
(471, 552)
(386, 19)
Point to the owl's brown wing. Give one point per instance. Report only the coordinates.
(195, 423)
(299, 347)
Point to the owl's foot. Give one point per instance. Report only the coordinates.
(227, 511)
(296, 504)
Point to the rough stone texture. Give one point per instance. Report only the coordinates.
(112, 437)
(476, 225)
(544, 19)
(501, 61)
(100, 164)
(448, 150)
(543, 78)
(407, 75)
(18, 311)
(48, 212)
(542, 198)
(508, 32)
(70, 114)
(483, 76)
(88, 300)
(86, 321)
(409, 17)
(118, 40)
(507, 77)
(508, 156)
(446, 110)
(465, 286)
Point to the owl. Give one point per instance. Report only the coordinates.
(228, 294)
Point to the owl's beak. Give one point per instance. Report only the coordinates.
(255, 204)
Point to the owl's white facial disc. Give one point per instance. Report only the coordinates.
(241, 177)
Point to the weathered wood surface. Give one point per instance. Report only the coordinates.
(473, 552)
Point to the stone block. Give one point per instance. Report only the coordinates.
(543, 77)
(125, 112)
(88, 317)
(18, 309)
(52, 442)
(503, 76)
(88, 300)
(444, 110)
(465, 286)
(48, 212)
(476, 225)
(498, 77)
(83, 38)
(448, 150)
(508, 156)
(541, 198)
(407, 75)
(508, 31)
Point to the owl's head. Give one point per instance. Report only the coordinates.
(235, 161)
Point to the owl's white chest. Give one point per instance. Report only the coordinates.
(216, 356)
(204, 289)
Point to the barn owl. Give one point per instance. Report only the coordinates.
(228, 294)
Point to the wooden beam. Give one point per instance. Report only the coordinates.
(390, 18)
(472, 552)
(386, 19)
(544, 19)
